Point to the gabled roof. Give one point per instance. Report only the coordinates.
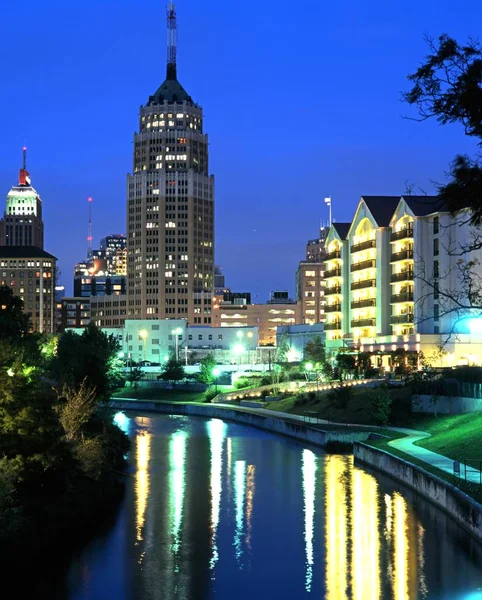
(342, 229)
(424, 205)
(170, 91)
(382, 208)
(24, 252)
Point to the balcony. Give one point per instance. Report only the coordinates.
(336, 289)
(406, 275)
(402, 297)
(403, 255)
(332, 326)
(329, 308)
(362, 246)
(367, 302)
(405, 233)
(332, 255)
(366, 264)
(400, 319)
(361, 285)
(332, 273)
(367, 322)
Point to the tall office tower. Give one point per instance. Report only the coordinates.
(22, 224)
(114, 249)
(170, 206)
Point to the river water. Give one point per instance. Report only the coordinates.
(219, 510)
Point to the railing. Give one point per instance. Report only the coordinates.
(329, 308)
(400, 319)
(361, 285)
(403, 297)
(366, 264)
(406, 232)
(362, 246)
(332, 273)
(332, 326)
(403, 255)
(336, 289)
(405, 275)
(364, 303)
(363, 322)
(333, 255)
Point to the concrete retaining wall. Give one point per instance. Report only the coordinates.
(299, 431)
(446, 405)
(466, 511)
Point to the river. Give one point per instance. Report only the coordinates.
(220, 510)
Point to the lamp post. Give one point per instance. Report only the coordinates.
(143, 334)
(216, 373)
(177, 332)
(238, 351)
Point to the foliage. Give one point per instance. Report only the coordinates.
(14, 323)
(381, 406)
(346, 364)
(134, 374)
(208, 363)
(92, 355)
(209, 395)
(341, 397)
(241, 383)
(315, 351)
(172, 371)
(76, 408)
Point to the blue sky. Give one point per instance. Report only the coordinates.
(301, 100)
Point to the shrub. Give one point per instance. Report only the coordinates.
(381, 404)
(210, 394)
(341, 396)
(241, 383)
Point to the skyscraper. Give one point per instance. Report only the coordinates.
(22, 224)
(170, 205)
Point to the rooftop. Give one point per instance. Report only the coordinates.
(424, 205)
(24, 252)
(382, 208)
(342, 229)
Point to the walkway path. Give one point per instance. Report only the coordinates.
(405, 444)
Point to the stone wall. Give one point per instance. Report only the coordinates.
(445, 405)
(300, 431)
(466, 511)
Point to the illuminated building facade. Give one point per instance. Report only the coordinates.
(170, 206)
(30, 273)
(386, 273)
(22, 223)
(310, 281)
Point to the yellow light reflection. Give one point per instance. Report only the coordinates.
(216, 430)
(177, 484)
(143, 453)
(239, 492)
(400, 591)
(309, 480)
(422, 581)
(366, 543)
(336, 529)
(250, 489)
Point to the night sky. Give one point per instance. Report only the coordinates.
(301, 100)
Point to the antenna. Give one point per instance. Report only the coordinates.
(171, 41)
(25, 158)
(89, 235)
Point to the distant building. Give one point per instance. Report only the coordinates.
(295, 337)
(30, 273)
(74, 313)
(310, 282)
(108, 311)
(22, 223)
(113, 248)
(59, 294)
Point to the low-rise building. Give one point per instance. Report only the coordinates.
(74, 313)
(293, 339)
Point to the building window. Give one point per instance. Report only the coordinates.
(210, 337)
(436, 329)
(220, 337)
(436, 273)
(435, 225)
(190, 337)
(199, 337)
(435, 290)
(435, 246)
(435, 312)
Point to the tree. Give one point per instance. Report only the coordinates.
(14, 323)
(448, 87)
(134, 375)
(381, 406)
(173, 371)
(208, 364)
(346, 364)
(93, 356)
(315, 350)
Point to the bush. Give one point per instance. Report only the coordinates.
(381, 404)
(242, 382)
(209, 395)
(371, 373)
(341, 397)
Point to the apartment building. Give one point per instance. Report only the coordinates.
(391, 276)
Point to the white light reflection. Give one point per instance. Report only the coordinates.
(217, 431)
(122, 422)
(143, 453)
(250, 489)
(177, 484)
(239, 492)
(309, 475)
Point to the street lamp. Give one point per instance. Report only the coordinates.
(143, 334)
(238, 350)
(216, 373)
(177, 332)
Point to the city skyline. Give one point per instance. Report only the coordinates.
(257, 183)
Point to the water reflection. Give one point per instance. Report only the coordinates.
(177, 484)
(308, 470)
(250, 489)
(143, 451)
(239, 494)
(216, 431)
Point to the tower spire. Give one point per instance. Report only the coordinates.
(89, 235)
(171, 41)
(25, 158)
(23, 176)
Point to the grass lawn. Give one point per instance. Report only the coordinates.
(159, 394)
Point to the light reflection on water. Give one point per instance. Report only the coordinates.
(218, 510)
